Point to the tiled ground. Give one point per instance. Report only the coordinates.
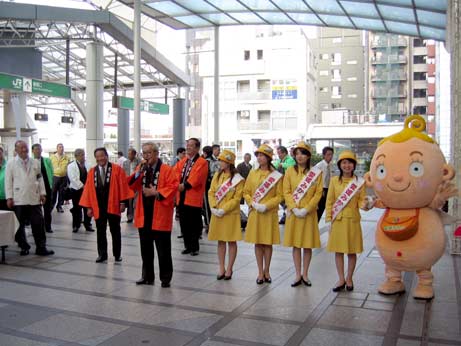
(67, 299)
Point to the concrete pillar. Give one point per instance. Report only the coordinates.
(137, 73)
(94, 98)
(454, 47)
(179, 123)
(14, 118)
(216, 86)
(123, 131)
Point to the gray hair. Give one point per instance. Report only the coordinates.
(78, 152)
(152, 145)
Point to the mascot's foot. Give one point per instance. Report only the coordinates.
(391, 287)
(423, 292)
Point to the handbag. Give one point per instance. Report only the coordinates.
(400, 228)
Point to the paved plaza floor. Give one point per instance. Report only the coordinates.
(68, 299)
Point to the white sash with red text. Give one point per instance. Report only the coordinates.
(346, 196)
(305, 184)
(266, 185)
(227, 186)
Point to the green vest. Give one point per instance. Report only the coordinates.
(2, 180)
(49, 170)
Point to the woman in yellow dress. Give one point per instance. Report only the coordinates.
(302, 190)
(224, 196)
(346, 194)
(263, 194)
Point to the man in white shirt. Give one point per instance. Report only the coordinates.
(77, 172)
(325, 167)
(129, 167)
(25, 193)
(121, 159)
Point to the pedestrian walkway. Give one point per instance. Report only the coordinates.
(67, 299)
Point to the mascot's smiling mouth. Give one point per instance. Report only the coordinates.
(401, 190)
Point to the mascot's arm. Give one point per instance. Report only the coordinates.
(379, 204)
(444, 192)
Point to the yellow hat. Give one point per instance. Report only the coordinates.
(227, 156)
(347, 154)
(266, 150)
(303, 145)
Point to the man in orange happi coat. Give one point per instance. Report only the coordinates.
(156, 185)
(192, 172)
(105, 195)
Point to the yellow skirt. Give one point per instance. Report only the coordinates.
(226, 228)
(263, 228)
(345, 236)
(302, 233)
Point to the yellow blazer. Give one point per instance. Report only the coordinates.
(351, 210)
(311, 198)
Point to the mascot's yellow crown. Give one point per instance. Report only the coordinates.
(418, 125)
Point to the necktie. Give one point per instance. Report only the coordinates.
(103, 176)
(327, 176)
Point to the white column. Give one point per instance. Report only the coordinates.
(94, 98)
(216, 86)
(137, 73)
(454, 47)
(14, 117)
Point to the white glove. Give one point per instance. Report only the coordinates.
(260, 208)
(219, 212)
(213, 211)
(300, 213)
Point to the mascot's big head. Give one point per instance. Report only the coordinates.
(408, 167)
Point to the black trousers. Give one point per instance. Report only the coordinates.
(190, 221)
(77, 210)
(162, 240)
(3, 205)
(114, 226)
(321, 205)
(130, 209)
(34, 214)
(59, 183)
(47, 209)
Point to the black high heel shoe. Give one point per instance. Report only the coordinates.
(221, 276)
(350, 288)
(268, 280)
(306, 282)
(339, 288)
(259, 281)
(227, 278)
(297, 283)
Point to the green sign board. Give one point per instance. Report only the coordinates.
(34, 86)
(146, 106)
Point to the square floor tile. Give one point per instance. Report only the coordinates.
(378, 306)
(258, 331)
(11, 340)
(17, 316)
(146, 337)
(348, 302)
(323, 337)
(356, 318)
(72, 328)
(218, 302)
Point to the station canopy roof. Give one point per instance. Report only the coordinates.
(422, 18)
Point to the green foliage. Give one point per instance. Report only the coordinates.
(316, 158)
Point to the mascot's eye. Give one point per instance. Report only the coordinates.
(381, 172)
(416, 169)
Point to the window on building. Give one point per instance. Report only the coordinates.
(323, 73)
(419, 42)
(430, 60)
(420, 110)
(337, 39)
(284, 120)
(336, 75)
(351, 62)
(351, 79)
(264, 85)
(431, 80)
(419, 59)
(419, 75)
(323, 89)
(324, 106)
(336, 58)
(243, 115)
(324, 56)
(243, 86)
(246, 55)
(431, 99)
(260, 54)
(264, 115)
(336, 91)
(352, 96)
(419, 92)
(335, 105)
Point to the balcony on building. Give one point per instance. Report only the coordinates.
(389, 109)
(388, 41)
(383, 76)
(388, 93)
(389, 59)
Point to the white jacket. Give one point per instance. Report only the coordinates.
(24, 183)
(73, 173)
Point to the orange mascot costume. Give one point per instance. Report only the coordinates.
(411, 179)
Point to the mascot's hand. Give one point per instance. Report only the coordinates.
(379, 204)
(368, 203)
(444, 192)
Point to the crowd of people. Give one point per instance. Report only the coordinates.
(205, 189)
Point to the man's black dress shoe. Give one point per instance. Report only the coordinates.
(49, 231)
(44, 252)
(129, 221)
(24, 252)
(194, 253)
(180, 236)
(101, 259)
(165, 284)
(118, 259)
(145, 282)
(75, 229)
(185, 252)
(89, 229)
